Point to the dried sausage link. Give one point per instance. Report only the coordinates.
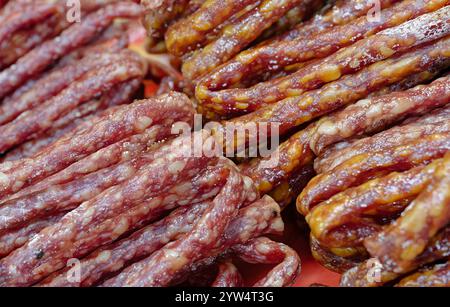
(18, 237)
(437, 276)
(339, 13)
(294, 111)
(107, 216)
(228, 276)
(182, 37)
(125, 122)
(79, 34)
(287, 159)
(364, 209)
(337, 259)
(287, 191)
(276, 55)
(161, 267)
(236, 36)
(51, 84)
(158, 15)
(250, 223)
(362, 275)
(87, 112)
(94, 82)
(144, 242)
(412, 129)
(264, 250)
(363, 167)
(18, 211)
(369, 115)
(398, 244)
(22, 41)
(33, 13)
(293, 19)
(295, 152)
(384, 44)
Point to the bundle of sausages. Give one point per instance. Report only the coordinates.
(58, 73)
(89, 176)
(111, 178)
(361, 94)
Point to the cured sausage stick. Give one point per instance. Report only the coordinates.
(18, 237)
(339, 13)
(228, 276)
(87, 112)
(111, 258)
(366, 204)
(363, 167)
(294, 111)
(159, 14)
(276, 55)
(333, 259)
(64, 197)
(372, 114)
(362, 275)
(107, 216)
(144, 242)
(127, 121)
(51, 84)
(54, 83)
(437, 276)
(160, 268)
(79, 34)
(33, 13)
(204, 186)
(295, 152)
(236, 36)
(249, 223)
(291, 112)
(400, 243)
(182, 37)
(436, 121)
(378, 47)
(126, 67)
(264, 250)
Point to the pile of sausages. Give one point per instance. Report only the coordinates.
(58, 74)
(361, 94)
(135, 211)
(99, 190)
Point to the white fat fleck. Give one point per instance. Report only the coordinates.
(103, 256)
(17, 185)
(6, 166)
(143, 122)
(158, 161)
(118, 196)
(170, 199)
(121, 227)
(278, 225)
(155, 202)
(263, 248)
(182, 189)
(211, 193)
(4, 180)
(401, 107)
(176, 167)
(184, 202)
(21, 240)
(327, 128)
(375, 111)
(364, 102)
